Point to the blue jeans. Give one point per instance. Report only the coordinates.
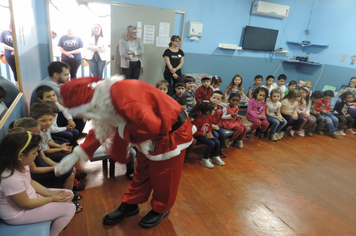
(331, 122)
(66, 137)
(220, 135)
(276, 125)
(212, 145)
(96, 67)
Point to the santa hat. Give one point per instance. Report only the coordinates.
(78, 92)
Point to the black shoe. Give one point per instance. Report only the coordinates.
(118, 215)
(185, 158)
(249, 135)
(129, 175)
(80, 176)
(261, 135)
(152, 219)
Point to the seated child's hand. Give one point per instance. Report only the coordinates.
(347, 115)
(281, 119)
(233, 114)
(216, 127)
(69, 128)
(60, 196)
(239, 118)
(72, 123)
(209, 135)
(261, 117)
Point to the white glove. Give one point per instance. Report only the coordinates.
(68, 161)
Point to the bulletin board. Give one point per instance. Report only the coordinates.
(147, 18)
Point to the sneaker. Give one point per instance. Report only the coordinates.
(341, 133)
(309, 133)
(261, 135)
(299, 133)
(249, 135)
(319, 132)
(78, 186)
(280, 135)
(274, 137)
(207, 163)
(228, 143)
(291, 132)
(350, 131)
(218, 161)
(334, 134)
(222, 153)
(240, 144)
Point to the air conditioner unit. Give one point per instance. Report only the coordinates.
(270, 9)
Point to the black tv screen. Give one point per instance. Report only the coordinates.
(259, 39)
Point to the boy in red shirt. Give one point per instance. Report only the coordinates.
(323, 106)
(204, 91)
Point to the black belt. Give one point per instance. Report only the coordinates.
(181, 119)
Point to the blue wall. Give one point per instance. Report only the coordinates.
(223, 21)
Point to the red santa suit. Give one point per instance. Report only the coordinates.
(128, 113)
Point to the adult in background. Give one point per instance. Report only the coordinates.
(96, 54)
(8, 44)
(174, 58)
(58, 74)
(71, 48)
(131, 52)
(352, 89)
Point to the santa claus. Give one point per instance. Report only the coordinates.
(124, 114)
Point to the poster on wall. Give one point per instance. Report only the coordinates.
(148, 34)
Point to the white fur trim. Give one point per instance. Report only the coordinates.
(78, 150)
(146, 146)
(101, 111)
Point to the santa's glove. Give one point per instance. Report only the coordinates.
(68, 161)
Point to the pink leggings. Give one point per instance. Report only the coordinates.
(58, 212)
(307, 121)
(240, 131)
(257, 123)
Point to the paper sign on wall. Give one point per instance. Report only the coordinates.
(164, 29)
(148, 34)
(162, 42)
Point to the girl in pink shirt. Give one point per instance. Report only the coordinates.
(23, 200)
(256, 111)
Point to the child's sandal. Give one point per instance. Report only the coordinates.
(76, 196)
(78, 207)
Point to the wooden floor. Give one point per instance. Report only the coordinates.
(297, 186)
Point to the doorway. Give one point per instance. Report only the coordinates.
(80, 17)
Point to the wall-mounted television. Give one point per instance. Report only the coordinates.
(259, 39)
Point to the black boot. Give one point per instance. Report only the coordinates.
(152, 219)
(118, 215)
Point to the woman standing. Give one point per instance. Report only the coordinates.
(96, 55)
(7, 43)
(131, 52)
(174, 58)
(71, 48)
